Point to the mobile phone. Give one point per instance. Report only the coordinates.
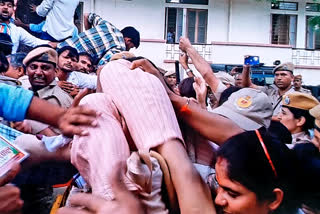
(251, 60)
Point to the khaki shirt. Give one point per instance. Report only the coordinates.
(55, 95)
(273, 93)
(304, 90)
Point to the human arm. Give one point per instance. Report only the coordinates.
(209, 125)
(200, 63)
(246, 79)
(29, 40)
(200, 87)
(183, 60)
(19, 23)
(11, 202)
(44, 8)
(67, 120)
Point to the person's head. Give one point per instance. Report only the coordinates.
(16, 68)
(186, 88)
(131, 37)
(256, 174)
(238, 80)
(6, 10)
(295, 112)
(171, 79)
(5, 44)
(284, 75)
(235, 70)
(249, 108)
(315, 112)
(85, 63)
(297, 82)
(68, 57)
(40, 66)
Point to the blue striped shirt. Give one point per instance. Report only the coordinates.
(101, 41)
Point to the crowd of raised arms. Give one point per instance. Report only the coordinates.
(110, 132)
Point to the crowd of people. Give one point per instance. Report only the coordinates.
(119, 135)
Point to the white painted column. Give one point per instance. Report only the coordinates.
(301, 25)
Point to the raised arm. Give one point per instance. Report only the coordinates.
(200, 63)
(209, 125)
(246, 79)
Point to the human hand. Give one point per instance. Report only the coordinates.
(10, 195)
(18, 22)
(200, 87)
(75, 116)
(184, 44)
(33, 8)
(70, 88)
(53, 44)
(124, 203)
(23, 126)
(146, 66)
(183, 59)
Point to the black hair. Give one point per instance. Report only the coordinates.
(278, 130)
(133, 34)
(72, 52)
(249, 166)
(186, 88)
(5, 44)
(226, 94)
(12, 1)
(4, 64)
(87, 55)
(298, 113)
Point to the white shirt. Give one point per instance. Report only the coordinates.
(59, 17)
(19, 34)
(83, 80)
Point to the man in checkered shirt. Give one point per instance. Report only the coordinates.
(101, 39)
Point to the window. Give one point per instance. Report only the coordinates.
(202, 2)
(313, 7)
(285, 6)
(194, 26)
(284, 29)
(313, 35)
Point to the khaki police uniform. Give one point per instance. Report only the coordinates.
(275, 97)
(55, 95)
(304, 90)
(273, 91)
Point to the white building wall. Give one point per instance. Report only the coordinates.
(236, 22)
(250, 21)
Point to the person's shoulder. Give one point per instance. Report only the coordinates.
(64, 98)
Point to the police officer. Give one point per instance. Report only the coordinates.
(296, 117)
(297, 82)
(283, 77)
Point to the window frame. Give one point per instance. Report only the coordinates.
(185, 7)
(271, 28)
(306, 35)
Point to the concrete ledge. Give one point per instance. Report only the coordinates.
(173, 61)
(153, 40)
(251, 44)
(307, 67)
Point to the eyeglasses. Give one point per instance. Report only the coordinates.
(266, 153)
